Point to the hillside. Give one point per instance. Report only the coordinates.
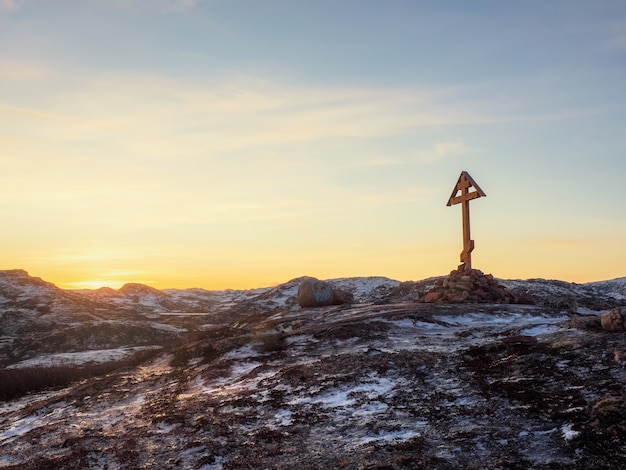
(248, 379)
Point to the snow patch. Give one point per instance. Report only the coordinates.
(98, 356)
(218, 464)
(540, 330)
(241, 353)
(390, 436)
(283, 418)
(405, 323)
(19, 427)
(348, 396)
(568, 433)
(364, 287)
(167, 328)
(300, 339)
(244, 368)
(510, 320)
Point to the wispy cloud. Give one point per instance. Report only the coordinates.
(235, 113)
(240, 112)
(158, 5)
(9, 5)
(147, 5)
(443, 150)
(20, 71)
(135, 131)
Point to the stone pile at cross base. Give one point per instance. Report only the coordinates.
(466, 285)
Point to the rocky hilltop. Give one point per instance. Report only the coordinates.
(146, 378)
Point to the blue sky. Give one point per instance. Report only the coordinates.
(242, 143)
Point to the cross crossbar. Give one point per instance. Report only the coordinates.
(464, 197)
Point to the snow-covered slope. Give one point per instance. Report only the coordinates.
(614, 288)
(401, 385)
(248, 379)
(593, 295)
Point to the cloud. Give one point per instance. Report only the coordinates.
(140, 135)
(156, 128)
(155, 5)
(158, 5)
(18, 71)
(443, 150)
(161, 113)
(166, 117)
(133, 130)
(9, 5)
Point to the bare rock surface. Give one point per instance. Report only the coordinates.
(259, 382)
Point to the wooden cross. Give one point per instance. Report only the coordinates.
(464, 184)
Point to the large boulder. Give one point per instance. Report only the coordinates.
(315, 293)
(614, 320)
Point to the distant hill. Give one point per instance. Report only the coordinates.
(38, 317)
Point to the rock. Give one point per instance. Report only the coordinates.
(404, 288)
(619, 356)
(315, 293)
(526, 299)
(430, 297)
(339, 297)
(457, 298)
(613, 320)
(465, 285)
(496, 292)
(469, 285)
(482, 294)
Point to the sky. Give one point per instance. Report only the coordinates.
(242, 143)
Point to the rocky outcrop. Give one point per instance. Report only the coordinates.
(614, 320)
(465, 285)
(315, 293)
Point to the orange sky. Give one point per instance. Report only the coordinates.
(233, 145)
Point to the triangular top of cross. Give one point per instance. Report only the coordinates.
(464, 185)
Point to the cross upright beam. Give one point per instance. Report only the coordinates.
(469, 190)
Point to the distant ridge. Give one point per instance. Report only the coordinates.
(20, 290)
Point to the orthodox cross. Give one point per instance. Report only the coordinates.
(464, 185)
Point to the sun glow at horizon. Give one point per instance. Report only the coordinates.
(255, 279)
(91, 285)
